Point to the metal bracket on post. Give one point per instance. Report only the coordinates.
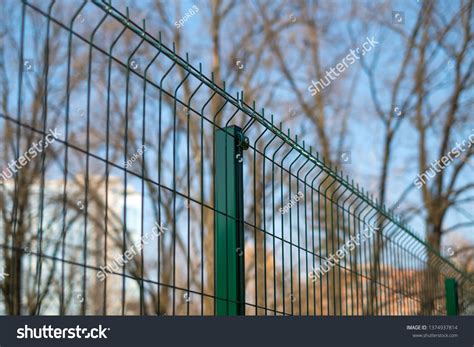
(228, 216)
(450, 286)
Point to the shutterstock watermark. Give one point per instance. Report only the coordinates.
(191, 12)
(294, 200)
(37, 147)
(48, 332)
(3, 274)
(316, 86)
(440, 164)
(134, 249)
(333, 259)
(135, 157)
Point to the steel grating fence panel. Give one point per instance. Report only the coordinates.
(117, 213)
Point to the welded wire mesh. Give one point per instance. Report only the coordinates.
(115, 215)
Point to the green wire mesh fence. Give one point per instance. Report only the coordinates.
(152, 190)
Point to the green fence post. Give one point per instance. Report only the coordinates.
(451, 296)
(228, 217)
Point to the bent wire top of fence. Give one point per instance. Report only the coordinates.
(171, 194)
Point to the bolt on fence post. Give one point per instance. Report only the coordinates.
(228, 216)
(450, 286)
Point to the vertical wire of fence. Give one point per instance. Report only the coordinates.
(146, 188)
